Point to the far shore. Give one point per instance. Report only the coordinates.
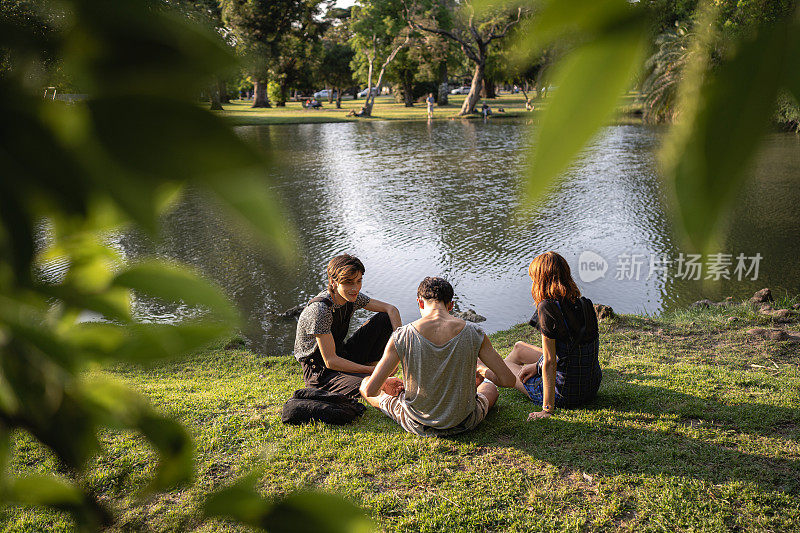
(240, 112)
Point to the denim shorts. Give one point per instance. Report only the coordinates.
(534, 388)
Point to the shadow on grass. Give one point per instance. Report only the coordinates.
(699, 438)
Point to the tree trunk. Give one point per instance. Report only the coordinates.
(338, 97)
(370, 100)
(443, 92)
(488, 88)
(224, 97)
(474, 91)
(371, 97)
(213, 91)
(260, 98)
(283, 92)
(524, 92)
(408, 89)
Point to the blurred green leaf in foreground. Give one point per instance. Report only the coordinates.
(70, 174)
(724, 102)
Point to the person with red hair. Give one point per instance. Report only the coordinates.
(565, 372)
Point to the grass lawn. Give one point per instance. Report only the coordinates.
(696, 427)
(240, 112)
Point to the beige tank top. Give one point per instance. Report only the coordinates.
(439, 380)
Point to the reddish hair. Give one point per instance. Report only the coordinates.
(551, 278)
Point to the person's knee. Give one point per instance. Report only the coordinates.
(519, 346)
(489, 390)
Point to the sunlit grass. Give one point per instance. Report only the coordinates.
(697, 426)
(385, 109)
(240, 112)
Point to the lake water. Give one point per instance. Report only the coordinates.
(412, 199)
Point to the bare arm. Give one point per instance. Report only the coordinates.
(377, 306)
(371, 386)
(548, 379)
(497, 372)
(327, 347)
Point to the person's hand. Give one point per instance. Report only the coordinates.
(393, 386)
(528, 371)
(478, 377)
(538, 415)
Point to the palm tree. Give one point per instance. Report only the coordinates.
(665, 70)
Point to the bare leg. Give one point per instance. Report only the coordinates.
(524, 354)
(490, 391)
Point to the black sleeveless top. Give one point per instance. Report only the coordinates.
(573, 325)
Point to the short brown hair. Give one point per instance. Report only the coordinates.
(342, 268)
(438, 289)
(551, 278)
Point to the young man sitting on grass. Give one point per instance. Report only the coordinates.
(439, 352)
(329, 361)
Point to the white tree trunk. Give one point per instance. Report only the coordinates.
(371, 97)
(474, 95)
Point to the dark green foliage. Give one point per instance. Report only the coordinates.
(665, 14)
(725, 79)
(71, 174)
(664, 74)
(300, 512)
(787, 114)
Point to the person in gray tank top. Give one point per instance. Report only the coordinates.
(439, 393)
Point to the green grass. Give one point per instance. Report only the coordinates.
(696, 427)
(385, 108)
(240, 113)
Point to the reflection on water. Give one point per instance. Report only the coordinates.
(416, 199)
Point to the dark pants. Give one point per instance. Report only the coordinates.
(365, 346)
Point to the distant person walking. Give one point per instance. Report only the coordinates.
(430, 101)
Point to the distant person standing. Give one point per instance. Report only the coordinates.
(430, 101)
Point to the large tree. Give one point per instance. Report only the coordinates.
(258, 27)
(335, 69)
(379, 32)
(335, 54)
(208, 13)
(434, 54)
(299, 48)
(474, 33)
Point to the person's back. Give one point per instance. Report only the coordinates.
(439, 329)
(439, 355)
